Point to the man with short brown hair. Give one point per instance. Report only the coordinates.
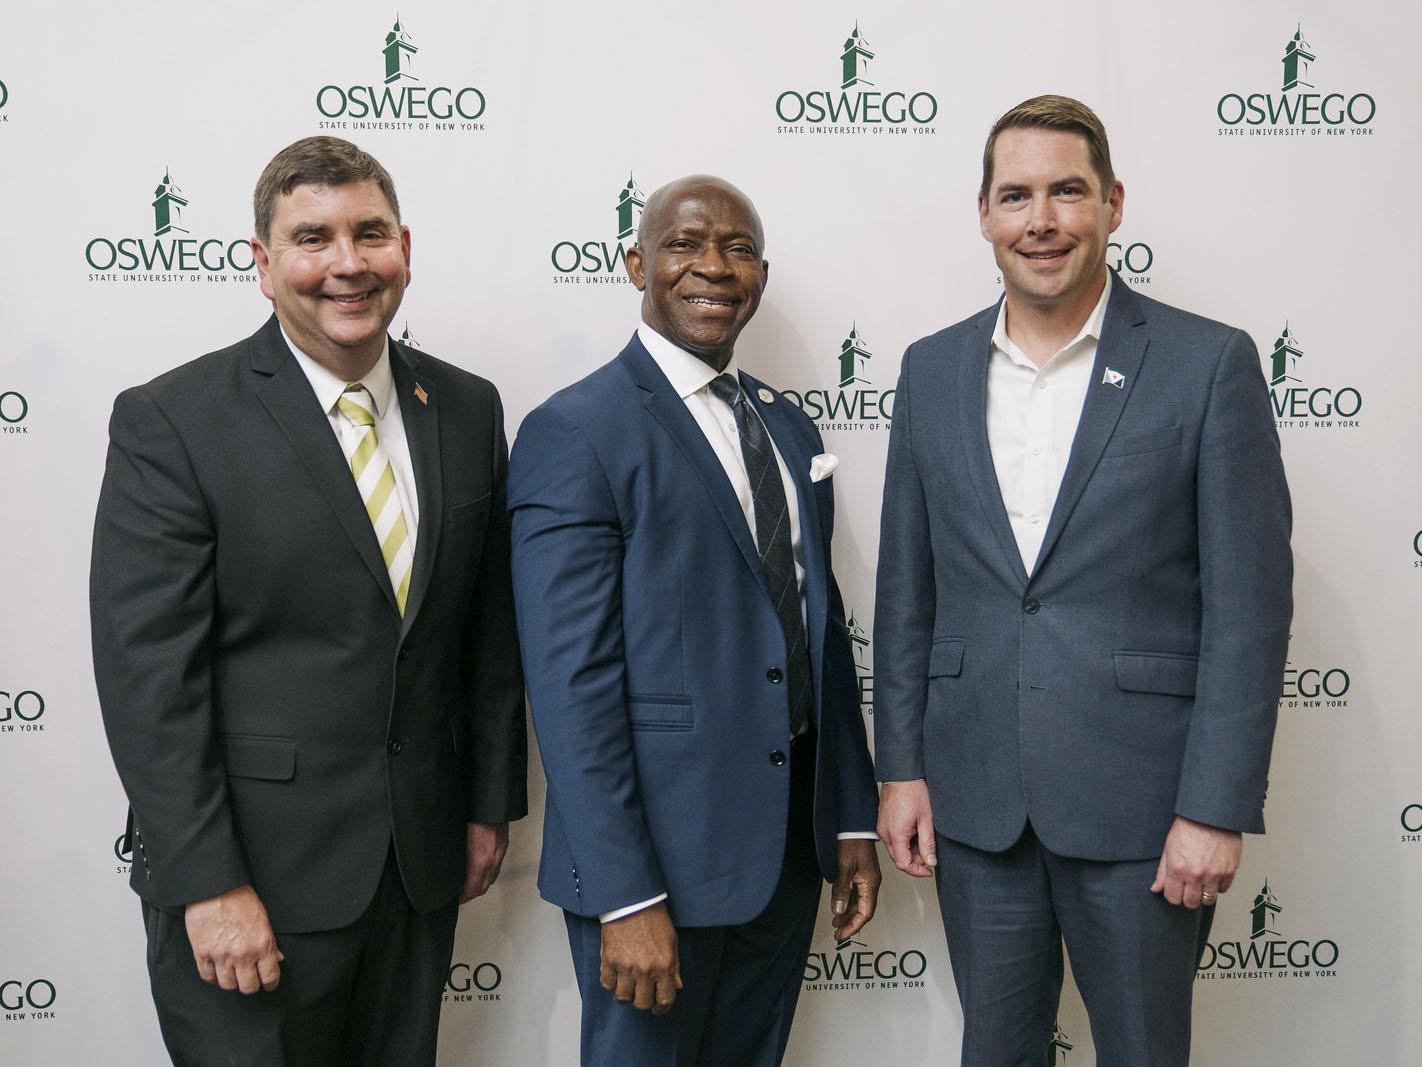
(305, 652)
(1082, 614)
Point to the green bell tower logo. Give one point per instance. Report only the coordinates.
(168, 204)
(1266, 907)
(398, 52)
(630, 202)
(1297, 56)
(863, 666)
(407, 339)
(1287, 353)
(853, 354)
(854, 59)
(1058, 1048)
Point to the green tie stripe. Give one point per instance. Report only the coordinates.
(377, 495)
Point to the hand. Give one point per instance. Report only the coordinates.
(856, 887)
(639, 960)
(233, 942)
(485, 844)
(906, 827)
(1198, 864)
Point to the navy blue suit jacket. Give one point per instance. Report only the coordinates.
(649, 641)
(1135, 674)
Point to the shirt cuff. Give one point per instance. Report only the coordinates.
(858, 835)
(620, 913)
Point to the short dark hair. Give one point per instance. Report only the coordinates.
(316, 161)
(1055, 113)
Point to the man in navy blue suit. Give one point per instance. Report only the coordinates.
(689, 669)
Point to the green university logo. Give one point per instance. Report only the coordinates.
(472, 983)
(402, 100)
(1058, 1047)
(1266, 953)
(858, 106)
(602, 261)
(1296, 109)
(1298, 406)
(855, 404)
(172, 253)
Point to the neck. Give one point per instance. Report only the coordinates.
(348, 364)
(1042, 330)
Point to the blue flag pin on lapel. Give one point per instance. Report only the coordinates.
(1113, 377)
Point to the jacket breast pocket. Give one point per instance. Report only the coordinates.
(945, 657)
(1134, 444)
(462, 513)
(659, 712)
(1170, 673)
(271, 759)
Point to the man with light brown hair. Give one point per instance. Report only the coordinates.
(304, 645)
(1082, 614)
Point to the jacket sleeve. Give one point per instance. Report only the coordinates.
(498, 784)
(1246, 592)
(152, 602)
(904, 603)
(567, 576)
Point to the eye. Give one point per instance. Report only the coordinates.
(311, 240)
(1070, 190)
(679, 245)
(1012, 198)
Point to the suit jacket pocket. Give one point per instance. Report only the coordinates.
(945, 658)
(1132, 444)
(272, 759)
(1170, 673)
(659, 712)
(462, 512)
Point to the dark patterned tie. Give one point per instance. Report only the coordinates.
(772, 535)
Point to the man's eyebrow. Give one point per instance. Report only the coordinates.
(302, 229)
(375, 222)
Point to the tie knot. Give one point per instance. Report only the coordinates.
(725, 388)
(357, 405)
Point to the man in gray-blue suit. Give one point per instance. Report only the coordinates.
(1082, 617)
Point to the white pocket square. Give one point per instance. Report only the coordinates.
(822, 466)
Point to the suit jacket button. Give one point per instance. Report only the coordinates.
(404, 653)
(777, 758)
(394, 746)
(774, 676)
(1031, 605)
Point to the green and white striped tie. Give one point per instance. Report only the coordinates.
(376, 481)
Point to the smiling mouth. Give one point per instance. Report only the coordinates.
(1045, 257)
(710, 302)
(350, 298)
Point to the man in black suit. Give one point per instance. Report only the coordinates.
(305, 649)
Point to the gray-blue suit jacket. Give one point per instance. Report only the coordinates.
(1135, 674)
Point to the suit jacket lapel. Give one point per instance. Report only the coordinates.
(972, 415)
(1122, 348)
(663, 404)
(812, 541)
(421, 421)
(284, 391)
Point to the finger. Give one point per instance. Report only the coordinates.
(269, 971)
(227, 976)
(1209, 894)
(863, 912)
(207, 970)
(897, 846)
(667, 986)
(248, 980)
(607, 976)
(645, 992)
(626, 988)
(1174, 890)
(1158, 885)
(1225, 882)
(927, 841)
(1190, 895)
(839, 895)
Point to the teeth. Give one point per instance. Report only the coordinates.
(709, 303)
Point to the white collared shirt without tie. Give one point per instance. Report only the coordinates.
(1032, 416)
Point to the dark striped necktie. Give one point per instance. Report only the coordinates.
(772, 535)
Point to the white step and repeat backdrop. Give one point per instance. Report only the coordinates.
(131, 136)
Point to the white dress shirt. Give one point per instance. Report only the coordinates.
(1032, 415)
(389, 425)
(691, 378)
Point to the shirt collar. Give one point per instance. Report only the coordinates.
(686, 373)
(1090, 328)
(329, 387)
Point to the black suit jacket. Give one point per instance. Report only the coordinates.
(273, 718)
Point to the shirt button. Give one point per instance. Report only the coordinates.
(1034, 518)
(774, 676)
(1041, 385)
(394, 746)
(777, 758)
(1036, 451)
